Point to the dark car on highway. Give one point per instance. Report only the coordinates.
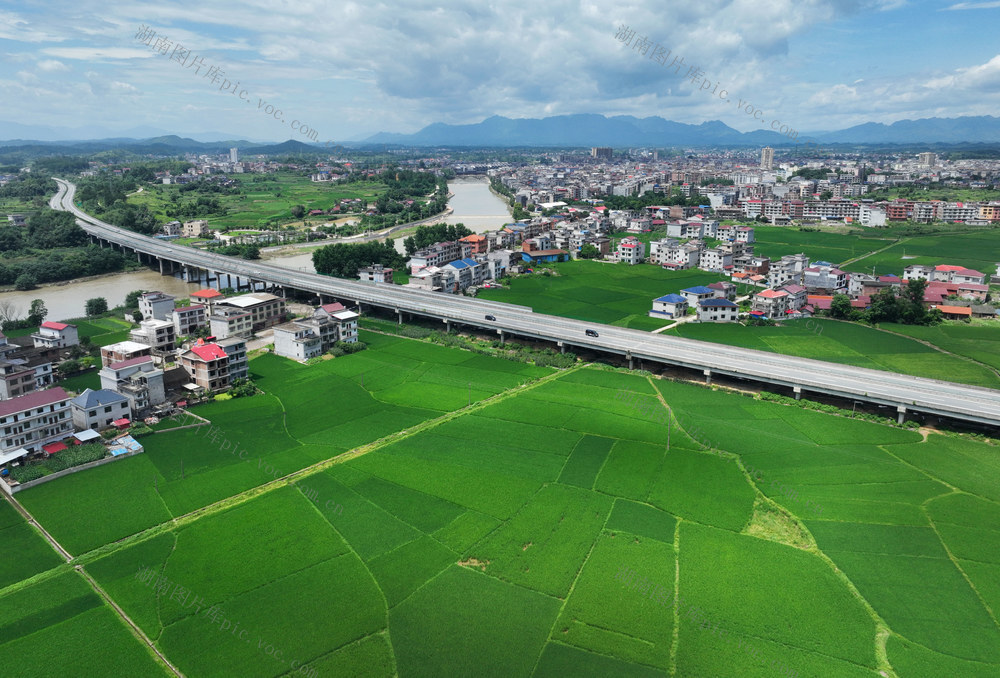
(491, 317)
(591, 333)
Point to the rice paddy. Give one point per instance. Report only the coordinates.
(492, 539)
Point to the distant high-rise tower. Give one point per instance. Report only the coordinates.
(603, 152)
(234, 155)
(927, 159)
(767, 158)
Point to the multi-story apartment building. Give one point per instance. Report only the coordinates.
(55, 335)
(16, 378)
(195, 229)
(138, 379)
(789, 269)
(266, 310)
(207, 298)
(230, 322)
(375, 273)
(207, 365)
(438, 254)
(823, 279)
(236, 349)
(631, 251)
(156, 305)
(715, 259)
(187, 319)
(123, 350)
(465, 273)
(33, 420)
(306, 338)
(157, 334)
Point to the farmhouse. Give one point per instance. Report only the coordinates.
(207, 365)
(98, 409)
(669, 306)
(718, 311)
(138, 379)
(55, 335)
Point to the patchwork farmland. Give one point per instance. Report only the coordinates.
(584, 522)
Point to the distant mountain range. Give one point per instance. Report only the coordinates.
(580, 130)
(625, 130)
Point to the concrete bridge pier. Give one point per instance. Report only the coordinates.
(900, 414)
(500, 332)
(562, 346)
(399, 317)
(630, 362)
(798, 392)
(708, 376)
(161, 265)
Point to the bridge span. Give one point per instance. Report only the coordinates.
(902, 392)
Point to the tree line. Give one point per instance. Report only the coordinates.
(343, 260)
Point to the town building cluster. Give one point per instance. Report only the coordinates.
(176, 352)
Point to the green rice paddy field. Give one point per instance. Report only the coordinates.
(272, 197)
(600, 292)
(622, 295)
(559, 529)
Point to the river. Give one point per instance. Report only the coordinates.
(472, 203)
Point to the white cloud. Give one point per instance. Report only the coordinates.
(52, 66)
(974, 5)
(99, 53)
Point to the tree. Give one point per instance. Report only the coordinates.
(36, 316)
(298, 211)
(589, 251)
(884, 307)
(132, 298)
(25, 281)
(912, 306)
(825, 195)
(96, 306)
(840, 307)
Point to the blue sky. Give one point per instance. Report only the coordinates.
(350, 69)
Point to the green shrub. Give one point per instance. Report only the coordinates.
(23, 474)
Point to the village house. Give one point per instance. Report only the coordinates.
(157, 334)
(265, 309)
(207, 298)
(630, 251)
(669, 306)
(195, 229)
(138, 379)
(717, 311)
(156, 305)
(207, 366)
(123, 350)
(187, 319)
(55, 335)
(98, 410)
(236, 350)
(375, 273)
(29, 422)
(697, 293)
